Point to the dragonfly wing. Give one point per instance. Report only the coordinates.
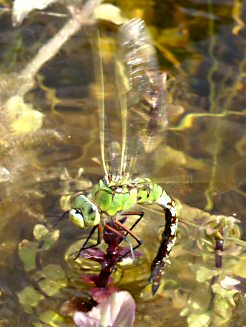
(145, 90)
(110, 124)
(131, 96)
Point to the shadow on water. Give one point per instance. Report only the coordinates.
(202, 162)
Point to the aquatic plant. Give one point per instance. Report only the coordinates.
(117, 310)
(202, 46)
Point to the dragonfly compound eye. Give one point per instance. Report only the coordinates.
(79, 201)
(77, 218)
(91, 214)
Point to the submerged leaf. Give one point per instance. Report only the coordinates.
(199, 301)
(221, 308)
(53, 279)
(51, 318)
(203, 274)
(29, 297)
(239, 268)
(199, 320)
(225, 294)
(27, 253)
(24, 119)
(41, 233)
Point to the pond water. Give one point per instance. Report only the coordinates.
(201, 162)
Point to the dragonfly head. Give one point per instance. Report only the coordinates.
(84, 213)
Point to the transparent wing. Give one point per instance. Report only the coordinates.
(146, 115)
(131, 97)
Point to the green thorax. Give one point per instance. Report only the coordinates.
(122, 195)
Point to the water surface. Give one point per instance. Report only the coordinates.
(202, 162)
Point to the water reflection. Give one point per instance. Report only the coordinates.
(203, 165)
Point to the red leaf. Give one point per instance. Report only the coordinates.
(94, 254)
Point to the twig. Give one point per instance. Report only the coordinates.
(52, 47)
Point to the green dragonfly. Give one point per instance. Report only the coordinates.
(142, 115)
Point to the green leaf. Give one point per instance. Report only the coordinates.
(37, 324)
(27, 253)
(222, 307)
(51, 318)
(199, 320)
(41, 233)
(29, 298)
(226, 294)
(50, 239)
(53, 278)
(239, 267)
(203, 274)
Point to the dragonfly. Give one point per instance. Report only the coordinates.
(140, 98)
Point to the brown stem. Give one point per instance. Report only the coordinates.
(52, 47)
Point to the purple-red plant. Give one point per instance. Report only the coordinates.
(114, 254)
(106, 305)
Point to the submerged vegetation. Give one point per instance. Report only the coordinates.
(50, 152)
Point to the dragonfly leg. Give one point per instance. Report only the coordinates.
(167, 243)
(115, 231)
(89, 236)
(128, 231)
(134, 213)
(61, 218)
(123, 235)
(139, 241)
(84, 247)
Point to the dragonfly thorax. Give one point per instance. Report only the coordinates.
(115, 197)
